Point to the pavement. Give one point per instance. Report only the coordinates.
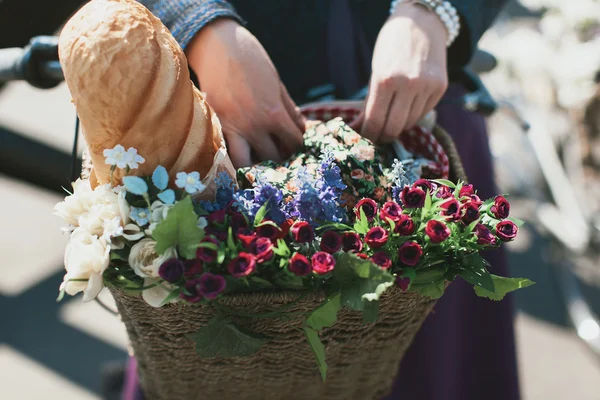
(52, 350)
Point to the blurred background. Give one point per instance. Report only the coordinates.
(545, 138)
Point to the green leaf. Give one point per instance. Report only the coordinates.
(371, 312)
(230, 243)
(359, 228)
(318, 350)
(503, 286)
(364, 221)
(360, 281)
(179, 229)
(444, 182)
(260, 215)
(471, 227)
(434, 290)
(518, 222)
(220, 338)
(289, 282)
(173, 295)
(427, 204)
(135, 185)
(325, 315)
(257, 283)
(473, 269)
(334, 226)
(282, 249)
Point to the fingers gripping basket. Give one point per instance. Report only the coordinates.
(362, 359)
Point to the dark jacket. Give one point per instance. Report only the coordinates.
(294, 32)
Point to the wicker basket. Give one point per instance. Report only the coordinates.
(363, 359)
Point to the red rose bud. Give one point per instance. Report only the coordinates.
(302, 232)
(210, 285)
(217, 217)
(376, 237)
(322, 263)
(475, 200)
(262, 248)
(484, 235)
(351, 242)
(193, 268)
(362, 255)
(506, 230)
(247, 237)
(470, 212)
(501, 207)
(171, 270)
(285, 227)
(238, 222)
(193, 291)
(392, 211)
(299, 265)
(382, 259)
(437, 231)
(466, 191)
(243, 265)
(425, 185)
(403, 283)
(451, 208)
(269, 231)
(444, 192)
(206, 254)
(406, 226)
(369, 206)
(331, 242)
(412, 197)
(410, 253)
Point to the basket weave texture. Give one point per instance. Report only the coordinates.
(363, 359)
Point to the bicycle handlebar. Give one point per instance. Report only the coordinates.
(37, 63)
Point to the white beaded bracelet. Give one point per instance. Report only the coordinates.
(443, 9)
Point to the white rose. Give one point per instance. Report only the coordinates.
(75, 204)
(145, 261)
(95, 219)
(86, 258)
(124, 208)
(159, 211)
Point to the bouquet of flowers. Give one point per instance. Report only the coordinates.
(333, 219)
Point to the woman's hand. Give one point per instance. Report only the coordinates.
(243, 87)
(409, 72)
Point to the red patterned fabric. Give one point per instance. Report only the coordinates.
(417, 140)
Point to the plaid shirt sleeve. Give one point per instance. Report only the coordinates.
(185, 18)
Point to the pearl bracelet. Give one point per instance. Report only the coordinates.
(443, 9)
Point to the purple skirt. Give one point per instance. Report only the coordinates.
(466, 349)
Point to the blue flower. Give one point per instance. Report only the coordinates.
(330, 171)
(190, 182)
(139, 215)
(224, 181)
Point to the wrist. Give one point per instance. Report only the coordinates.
(211, 39)
(443, 10)
(424, 18)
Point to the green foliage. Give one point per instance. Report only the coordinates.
(222, 338)
(359, 281)
(434, 290)
(318, 349)
(326, 314)
(503, 286)
(179, 229)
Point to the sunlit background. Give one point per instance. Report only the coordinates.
(547, 77)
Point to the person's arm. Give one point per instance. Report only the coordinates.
(185, 18)
(237, 77)
(476, 17)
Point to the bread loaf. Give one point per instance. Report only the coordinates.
(130, 84)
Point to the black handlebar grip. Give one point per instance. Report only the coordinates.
(10, 64)
(37, 63)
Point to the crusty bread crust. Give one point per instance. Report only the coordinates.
(130, 84)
